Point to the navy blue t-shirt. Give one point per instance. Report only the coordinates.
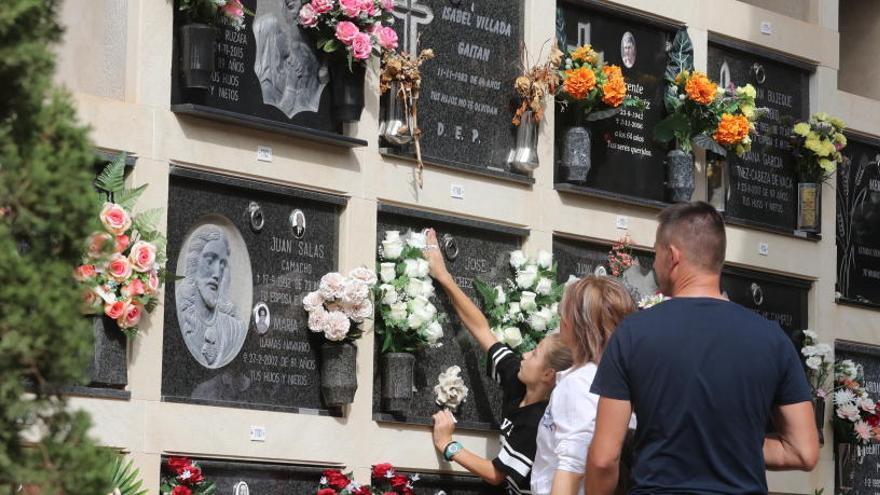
(703, 376)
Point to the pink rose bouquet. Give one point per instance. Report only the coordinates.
(230, 12)
(341, 304)
(358, 29)
(124, 264)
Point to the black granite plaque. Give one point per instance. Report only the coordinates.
(108, 367)
(269, 75)
(465, 109)
(581, 258)
(454, 484)
(856, 466)
(625, 158)
(858, 222)
(244, 247)
(778, 298)
(257, 478)
(762, 185)
(483, 252)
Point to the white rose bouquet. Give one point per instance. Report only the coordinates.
(818, 362)
(341, 304)
(525, 308)
(124, 262)
(408, 321)
(450, 390)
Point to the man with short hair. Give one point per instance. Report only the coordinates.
(704, 376)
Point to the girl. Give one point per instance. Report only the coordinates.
(526, 384)
(591, 309)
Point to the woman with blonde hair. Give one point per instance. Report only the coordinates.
(590, 311)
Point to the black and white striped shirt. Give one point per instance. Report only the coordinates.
(519, 426)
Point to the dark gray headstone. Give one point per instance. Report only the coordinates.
(231, 355)
(454, 484)
(109, 367)
(626, 159)
(484, 251)
(855, 470)
(269, 75)
(776, 297)
(762, 183)
(254, 478)
(465, 109)
(582, 258)
(858, 222)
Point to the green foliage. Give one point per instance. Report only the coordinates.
(125, 477)
(47, 209)
(681, 55)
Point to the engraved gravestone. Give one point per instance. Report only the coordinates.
(235, 331)
(855, 465)
(625, 158)
(776, 297)
(472, 250)
(268, 75)
(578, 259)
(762, 183)
(454, 484)
(108, 367)
(858, 222)
(465, 108)
(257, 478)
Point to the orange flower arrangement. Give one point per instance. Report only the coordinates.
(584, 53)
(700, 89)
(579, 82)
(614, 89)
(732, 129)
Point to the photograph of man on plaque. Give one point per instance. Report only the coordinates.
(298, 223)
(628, 50)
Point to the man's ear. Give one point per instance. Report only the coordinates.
(674, 256)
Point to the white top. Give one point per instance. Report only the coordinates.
(567, 428)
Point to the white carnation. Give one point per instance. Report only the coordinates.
(365, 275)
(434, 332)
(849, 412)
(414, 321)
(545, 259)
(823, 349)
(810, 334)
(517, 259)
(337, 326)
(527, 301)
(313, 301)
(545, 285)
(331, 286)
(355, 291)
(809, 350)
(318, 320)
(844, 396)
(866, 404)
(813, 362)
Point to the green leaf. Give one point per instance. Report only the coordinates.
(127, 198)
(486, 291)
(145, 222)
(331, 46)
(112, 178)
(709, 144)
(602, 114)
(681, 55)
(667, 128)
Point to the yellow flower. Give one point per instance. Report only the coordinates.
(827, 148)
(747, 90)
(683, 75)
(583, 53)
(802, 128)
(840, 139)
(821, 116)
(748, 111)
(839, 124)
(813, 143)
(827, 165)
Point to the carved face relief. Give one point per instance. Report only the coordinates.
(212, 264)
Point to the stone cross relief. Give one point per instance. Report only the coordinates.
(413, 14)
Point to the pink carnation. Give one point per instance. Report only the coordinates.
(307, 16)
(388, 5)
(318, 320)
(338, 325)
(351, 8)
(362, 46)
(387, 38)
(322, 6)
(346, 32)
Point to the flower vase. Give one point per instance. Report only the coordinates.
(845, 456)
(819, 411)
(347, 86)
(809, 207)
(575, 165)
(108, 367)
(396, 129)
(397, 382)
(338, 373)
(680, 175)
(197, 45)
(524, 156)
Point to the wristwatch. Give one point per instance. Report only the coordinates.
(451, 449)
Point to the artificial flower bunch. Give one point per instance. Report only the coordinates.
(384, 481)
(817, 146)
(855, 419)
(408, 321)
(620, 257)
(184, 478)
(450, 390)
(124, 263)
(597, 90)
(212, 11)
(651, 301)
(341, 304)
(360, 28)
(703, 114)
(525, 308)
(536, 83)
(818, 362)
(334, 481)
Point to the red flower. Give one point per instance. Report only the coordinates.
(181, 490)
(399, 481)
(389, 493)
(191, 475)
(363, 490)
(335, 479)
(873, 420)
(326, 491)
(178, 464)
(380, 471)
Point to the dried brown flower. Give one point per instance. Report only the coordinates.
(536, 83)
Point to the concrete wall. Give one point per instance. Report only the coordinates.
(117, 61)
(859, 57)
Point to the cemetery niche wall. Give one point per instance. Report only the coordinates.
(760, 189)
(235, 331)
(472, 249)
(858, 222)
(466, 102)
(269, 76)
(627, 164)
(257, 478)
(579, 258)
(855, 465)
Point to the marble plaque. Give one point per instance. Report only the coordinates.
(776, 297)
(858, 222)
(762, 185)
(109, 366)
(581, 258)
(466, 104)
(855, 467)
(481, 250)
(454, 484)
(235, 331)
(257, 478)
(625, 158)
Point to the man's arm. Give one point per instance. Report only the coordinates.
(796, 445)
(603, 461)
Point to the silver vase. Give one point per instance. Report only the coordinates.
(524, 156)
(809, 207)
(396, 127)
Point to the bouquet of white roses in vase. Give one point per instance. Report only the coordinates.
(408, 320)
(337, 310)
(818, 362)
(525, 308)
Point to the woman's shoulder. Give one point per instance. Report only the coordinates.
(577, 376)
